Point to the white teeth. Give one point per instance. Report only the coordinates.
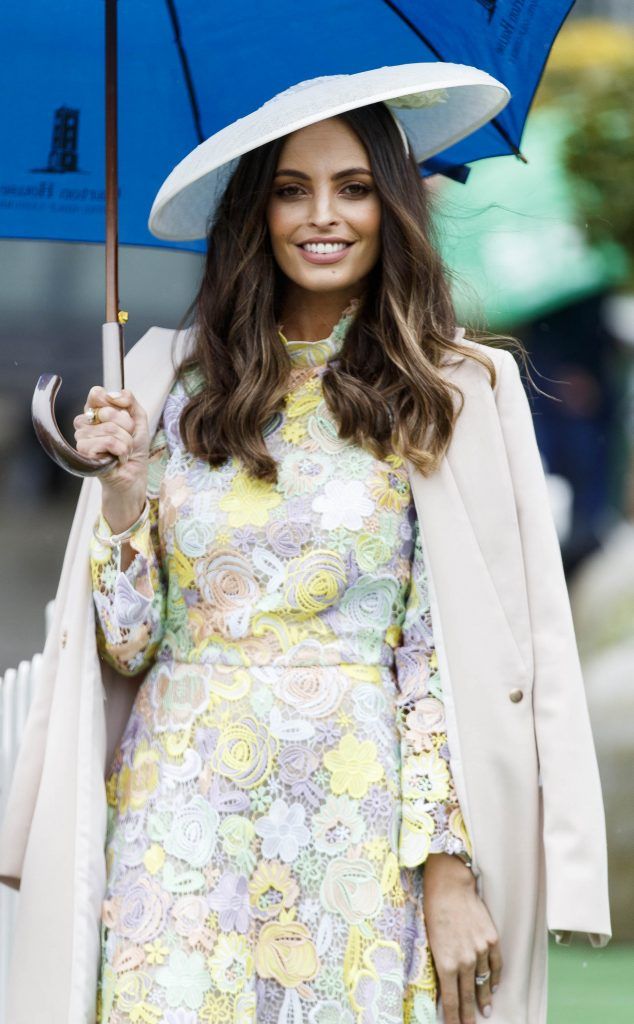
(324, 247)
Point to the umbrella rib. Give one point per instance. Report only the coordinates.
(414, 28)
(423, 38)
(189, 81)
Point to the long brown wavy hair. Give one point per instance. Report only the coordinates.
(384, 388)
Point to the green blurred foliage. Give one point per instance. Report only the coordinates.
(590, 76)
(599, 156)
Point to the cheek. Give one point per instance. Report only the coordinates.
(369, 223)
(280, 221)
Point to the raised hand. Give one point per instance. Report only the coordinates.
(113, 423)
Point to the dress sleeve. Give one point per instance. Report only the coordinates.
(432, 820)
(130, 604)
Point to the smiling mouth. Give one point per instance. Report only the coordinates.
(325, 248)
(324, 254)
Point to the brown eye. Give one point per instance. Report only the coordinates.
(358, 185)
(284, 191)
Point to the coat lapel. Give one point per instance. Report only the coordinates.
(474, 490)
(467, 520)
(466, 514)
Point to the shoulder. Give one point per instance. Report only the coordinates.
(499, 356)
(163, 348)
(469, 369)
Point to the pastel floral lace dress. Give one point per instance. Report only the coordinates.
(284, 771)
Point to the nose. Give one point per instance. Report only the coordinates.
(323, 210)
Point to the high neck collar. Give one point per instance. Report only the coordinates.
(316, 353)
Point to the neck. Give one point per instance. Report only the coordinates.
(311, 316)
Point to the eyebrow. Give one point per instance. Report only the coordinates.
(288, 171)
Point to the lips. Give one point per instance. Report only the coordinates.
(331, 252)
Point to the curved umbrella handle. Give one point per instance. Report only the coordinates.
(50, 436)
(43, 409)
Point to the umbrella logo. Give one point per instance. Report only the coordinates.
(62, 157)
(489, 6)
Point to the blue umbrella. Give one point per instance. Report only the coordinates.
(188, 68)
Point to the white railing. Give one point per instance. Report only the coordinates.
(17, 687)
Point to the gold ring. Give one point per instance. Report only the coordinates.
(92, 414)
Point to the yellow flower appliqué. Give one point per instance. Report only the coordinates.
(426, 774)
(249, 501)
(353, 765)
(391, 491)
(286, 952)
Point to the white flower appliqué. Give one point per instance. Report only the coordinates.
(343, 503)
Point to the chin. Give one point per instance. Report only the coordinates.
(325, 278)
(326, 282)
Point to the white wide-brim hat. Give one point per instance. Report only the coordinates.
(435, 103)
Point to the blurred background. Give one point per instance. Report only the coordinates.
(542, 251)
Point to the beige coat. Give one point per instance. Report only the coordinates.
(503, 631)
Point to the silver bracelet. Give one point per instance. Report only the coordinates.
(115, 540)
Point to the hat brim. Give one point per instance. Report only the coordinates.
(185, 204)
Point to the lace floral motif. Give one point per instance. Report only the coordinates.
(286, 761)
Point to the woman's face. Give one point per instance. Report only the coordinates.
(323, 194)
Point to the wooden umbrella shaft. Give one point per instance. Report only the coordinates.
(112, 333)
(43, 404)
(112, 280)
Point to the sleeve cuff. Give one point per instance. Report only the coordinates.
(140, 541)
(564, 938)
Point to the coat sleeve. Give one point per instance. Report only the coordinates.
(574, 823)
(432, 820)
(130, 605)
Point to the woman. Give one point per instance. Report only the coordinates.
(283, 785)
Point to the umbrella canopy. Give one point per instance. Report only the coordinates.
(187, 69)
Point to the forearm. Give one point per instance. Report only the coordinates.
(129, 595)
(442, 869)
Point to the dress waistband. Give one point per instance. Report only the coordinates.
(354, 669)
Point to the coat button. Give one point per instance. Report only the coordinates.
(516, 696)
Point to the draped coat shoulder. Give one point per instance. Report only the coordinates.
(522, 751)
